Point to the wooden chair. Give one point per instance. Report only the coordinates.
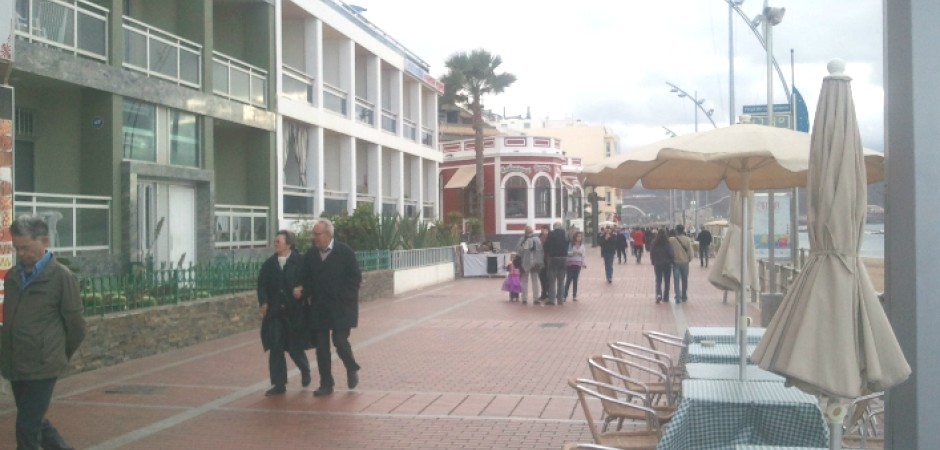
(644, 439)
(667, 343)
(611, 412)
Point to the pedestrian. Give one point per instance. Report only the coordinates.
(556, 250)
(622, 245)
(282, 313)
(513, 285)
(682, 248)
(530, 250)
(704, 239)
(43, 327)
(638, 242)
(574, 263)
(332, 277)
(661, 256)
(543, 272)
(608, 245)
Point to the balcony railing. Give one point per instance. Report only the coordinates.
(76, 223)
(239, 81)
(389, 121)
(298, 201)
(334, 98)
(161, 54)
(238, 226)
(335, 201)
(79, 27)
(296, 85)
(365, 111)
(410, 130)
(427, 137)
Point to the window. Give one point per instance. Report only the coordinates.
(558, 197)
(543, 198)
(184, 139)
(516, 198)
(140, 125)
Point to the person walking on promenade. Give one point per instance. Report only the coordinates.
(530, 250)
(43, 327)
(544, 230)
(639, 239)
(661, 255)
(608, 245)
(575, 263)
(704, 239)
(331, 280)
(556, 250)
(513, 285)
(682, 248)
(622, 244)
(282, 315)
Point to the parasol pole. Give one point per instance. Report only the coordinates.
(835, 416)
(742, 304)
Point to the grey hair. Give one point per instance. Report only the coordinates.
(326, 223)
(31, 226)
(558, 226)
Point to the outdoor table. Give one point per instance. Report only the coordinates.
(703, 371)
(715, 354)
(721, 335)
(774, 447)
(721, 414)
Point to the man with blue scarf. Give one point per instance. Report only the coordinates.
(43, 327)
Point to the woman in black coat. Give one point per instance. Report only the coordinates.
(661, 255)
(282, 325)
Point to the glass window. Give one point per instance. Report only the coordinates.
(558, 197)
(516, 198)
(543, 198)
(140, 124)
(184, 139)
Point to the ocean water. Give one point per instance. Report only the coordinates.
(873, 242)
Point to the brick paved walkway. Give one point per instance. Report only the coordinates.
(452, 366)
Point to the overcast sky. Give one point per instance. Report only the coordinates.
(607, 61)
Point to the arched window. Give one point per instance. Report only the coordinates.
(543, 198)
(517, 204)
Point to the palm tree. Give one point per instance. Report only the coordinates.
(469, 77)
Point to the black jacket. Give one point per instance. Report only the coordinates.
(275, 288)
(662, 254)
(704, 238)
(556, 245)
(608, 244)
(332, 287)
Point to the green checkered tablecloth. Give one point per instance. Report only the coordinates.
(704, 371)
(774, 447)
(722, 414)
(721, 335)
(716, 354)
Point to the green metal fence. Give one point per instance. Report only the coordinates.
(143, 288)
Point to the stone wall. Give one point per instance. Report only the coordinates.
(118, 337)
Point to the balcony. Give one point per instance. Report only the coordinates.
(410, 130)
(241, 226)
(335, 202)
(297, 85)
(157, 53)
(77, 223)
(80, 27)
(389, 121)
(365, 111)
(239, 81)
(427, 137)
(298, 201)
(334, 99)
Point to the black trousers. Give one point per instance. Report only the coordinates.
(33, 431)
(703, 255)
(277, 364)
(543, 281)
(573, 273)
(621, 254)
(343, 350)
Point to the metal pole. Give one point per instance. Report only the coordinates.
(768, 33)
(731, 111)
(742, 302)
(794, 199)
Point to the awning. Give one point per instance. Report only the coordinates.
(461, 177)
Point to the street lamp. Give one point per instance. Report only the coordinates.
(696, 100)
(670, 133)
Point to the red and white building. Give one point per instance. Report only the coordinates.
(528, 180)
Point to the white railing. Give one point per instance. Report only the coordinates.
(407, 259)
(76, 222)
(410, 130)
(365, 111)
(241, 226)
(299, 200)
(427, 138)
(160, 54)
(79, 27)
(334, 98)
(239, 81)
(297, 85)
(389, 121)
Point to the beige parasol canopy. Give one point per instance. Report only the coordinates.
(831, 336)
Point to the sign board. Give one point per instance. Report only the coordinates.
(782, 116)
(419, 73)
(6, 186)
(781, 238)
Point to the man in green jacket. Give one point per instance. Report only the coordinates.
(43, 326)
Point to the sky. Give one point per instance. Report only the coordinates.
(606, 62)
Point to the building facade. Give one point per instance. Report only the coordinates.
(180, 131)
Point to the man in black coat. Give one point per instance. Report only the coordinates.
(704, 239)
(331, 282)
(556, 251)
(282, 327)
